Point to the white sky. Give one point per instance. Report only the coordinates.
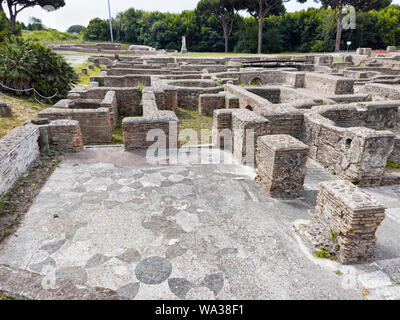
(82, 11)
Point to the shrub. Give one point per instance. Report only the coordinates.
(25, 64)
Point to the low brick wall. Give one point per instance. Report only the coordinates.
(345, 222)
(95, 124)
(383, 91)
(247, 100)
(210, 102)
(66, 135)
(247, 126)
(111, 103)
(222, 128)
(122, 81)
(18, 150)
(128, 99)
(136, 130)
(272, 94)
(328, 84)
(189, 97)
(281, 165)
(231, 101)
(355, 153)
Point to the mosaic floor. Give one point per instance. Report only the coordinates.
(189, 232)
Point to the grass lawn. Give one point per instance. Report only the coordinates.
(83, 78)
(192, 119)
(22, 109)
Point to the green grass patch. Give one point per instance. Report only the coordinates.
(117, 135)
(393, 165)
(322, 253)
(192, 119)
(3, 297)
(51, 36)
(22, 109)
(354, 181)
(85, 78)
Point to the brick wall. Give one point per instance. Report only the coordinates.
(18, 150)
(95, 124)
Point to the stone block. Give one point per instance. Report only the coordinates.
(328, 84)
(5, 110)
(391, 49)
(18, 150)
(281, 164)
(247, 126)
(231, 101)
(222, 128)
(66, 135)
(345, 222)
(138, 131)
(210, 102)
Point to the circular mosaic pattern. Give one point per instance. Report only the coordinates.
(153, 270)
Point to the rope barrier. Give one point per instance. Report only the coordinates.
(12, 98)
(29, 90)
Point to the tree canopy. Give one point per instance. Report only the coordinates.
(97, 29)
(76, 29)
(14, 7)
(360, 5)
(225, 11)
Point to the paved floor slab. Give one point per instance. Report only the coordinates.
(184, 232)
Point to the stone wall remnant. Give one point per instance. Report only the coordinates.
(66, 135)
(18, 150)
(345, 222)
(281, 163)
(5, 110)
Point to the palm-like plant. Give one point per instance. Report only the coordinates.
(17, 61)
(26, 64)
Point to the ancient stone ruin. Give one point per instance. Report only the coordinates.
(5, 110)
(274, 114)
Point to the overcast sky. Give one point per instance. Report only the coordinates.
(82, 11)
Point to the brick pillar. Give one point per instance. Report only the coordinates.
(345, 222)
(222, 122)
(66, 135)
(281, 163)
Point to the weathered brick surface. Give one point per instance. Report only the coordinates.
(231, 101)
(111, 103)
(210, 102)
(281, 164)
(66, 135)
(95, 123)
(328, 84)
(345, 222)
(128, 99)
(247, 126)
(345, 146)
(136, 130)
(222, 128)
(18, 150)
